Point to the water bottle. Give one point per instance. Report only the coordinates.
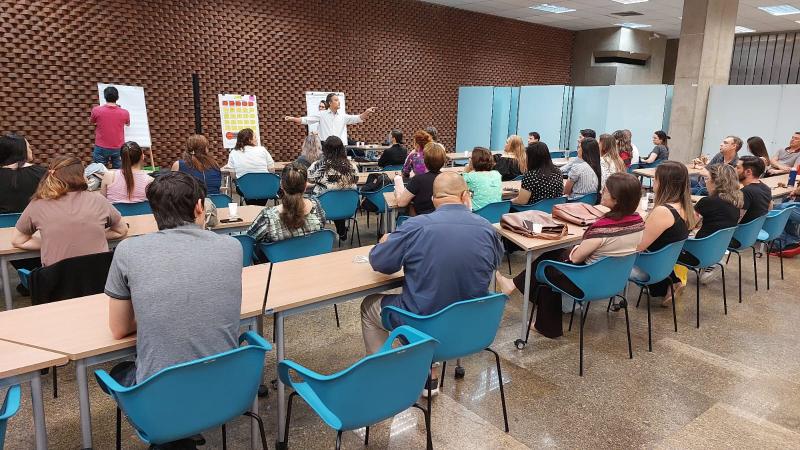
(792, 176)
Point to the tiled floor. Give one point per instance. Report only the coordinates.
(734, 383)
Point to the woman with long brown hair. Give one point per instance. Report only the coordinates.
(513, 162)
(415, 161)
(610, 161)
(71, 220)
(333, 171)
(199, 163)
(297, 215)
(128, 184)
(249, 157)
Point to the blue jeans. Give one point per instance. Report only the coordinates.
(102, 155)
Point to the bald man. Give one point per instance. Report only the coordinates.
(448, 255)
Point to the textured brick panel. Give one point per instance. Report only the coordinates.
(405, 57)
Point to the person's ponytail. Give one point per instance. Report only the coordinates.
(131, 154)
(293, 183)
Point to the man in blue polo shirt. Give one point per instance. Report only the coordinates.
(448, 255)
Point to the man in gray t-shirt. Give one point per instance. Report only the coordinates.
(179, 289)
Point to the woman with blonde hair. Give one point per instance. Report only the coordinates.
(310, 152)
(610, 161)
(199, 163)
(71, 221)
(513, 162)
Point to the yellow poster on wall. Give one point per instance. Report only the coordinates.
(237, 112)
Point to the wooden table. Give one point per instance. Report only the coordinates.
(651, 171)
(78, 330)
(138, 225)
(21, 364)
(533, 248)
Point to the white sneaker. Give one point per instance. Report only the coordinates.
(434, 388)
(710, 274)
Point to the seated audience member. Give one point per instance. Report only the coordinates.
(582, 134)
(420, 189)
(616, 234)
(431, 130)
(249, 157)
(624, 148)
(756, 196)
(18, 177)
(70, 220)
(311, 151)
(757, 148)
(786, 158)
(584, 174)
(533, 137)
(610, 161)
(439, 269)
(182, 307)
(670, 220)
(485, 184)
(511, 163)
(543, 180)
(661, 150)
(332, 172)
(128, 184)
(396, 154)
(297, 215)
(728, 154)
(415, 162)
(197, 162)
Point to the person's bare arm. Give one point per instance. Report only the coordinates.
(108, 179)
(568, 187)
(367, 112)
(175, 167)
(25, 241)
(404, 199)
(584, 250)
(117, 231)
(121, 320)
(522, 197)
(297, 120)
(650, 158)
(657, 221)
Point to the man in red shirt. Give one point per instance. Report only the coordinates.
(109, 134)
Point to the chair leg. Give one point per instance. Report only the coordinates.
(336, 314)
(288, 418)
(780, 255)
(641, 289)
(260, 428)
(769, 250)
(427, 414)
(697, 291)
(338, 440)
(530, 322)
(755, 267)
(352, 230)
(674, 316)
(441, 375)
(571, 316)
(224, 438)
(366, 434)
(508, 258)
(724, 293)
(119, 429)
(358, 232)
(430, 381)
(55, 382)
(628, 325)
(649, 322)
(584, 311)
(500, 382)
(740, 276)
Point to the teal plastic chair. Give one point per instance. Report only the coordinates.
(9, 220)
(9, 409)
(373, 389)
(651, 268)
(707, 252)
(393, 168)
(770, 234)
(461, 329)
(600, 280)
(220, 200)
(186, 399)
(400, 220)
(493, 212)
(377, 199)
(518, 178)
(312, 244)
(248, 249)
(342, 204)
(746, 235)
(259, 187)
(588, 198)
(133, 209)
(545, 205)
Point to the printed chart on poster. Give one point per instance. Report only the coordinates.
(313, 99)
(237, 112)
(132, 99)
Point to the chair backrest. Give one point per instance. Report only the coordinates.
(220, 200)
(400, 220)
(339, 204)
(776, 222)
(463, 328)
(259, 186)
(588, 198)
(747, 233)
(185, 399)
(494, 211)
(376, 197)
(312, 244)
(248, 247)
(10, 408)
(9, 220)
(599, 280)
(377, 387)
(133, 209)
(393, 168)
(70, 278)
(659, 264)
(545, 205)
(518, 178)
(710, 249)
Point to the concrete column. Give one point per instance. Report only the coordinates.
(704, 58)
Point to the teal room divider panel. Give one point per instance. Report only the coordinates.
(639, 108)
(589, 110)
(667, 107)
(501, 117)
(474, 119)
(541, 109)
(744, 111)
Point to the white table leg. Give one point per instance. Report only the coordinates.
(526, 297)
(83, 398)
(6, 283)
(38, 411)
(255, 433)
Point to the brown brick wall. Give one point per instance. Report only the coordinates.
(405, 57)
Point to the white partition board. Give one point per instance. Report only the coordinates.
(743, 111)
(639, 108)
(589, 110)
(474, 119)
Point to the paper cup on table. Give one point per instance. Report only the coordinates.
(233, 209)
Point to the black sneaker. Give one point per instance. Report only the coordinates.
(23, 291)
